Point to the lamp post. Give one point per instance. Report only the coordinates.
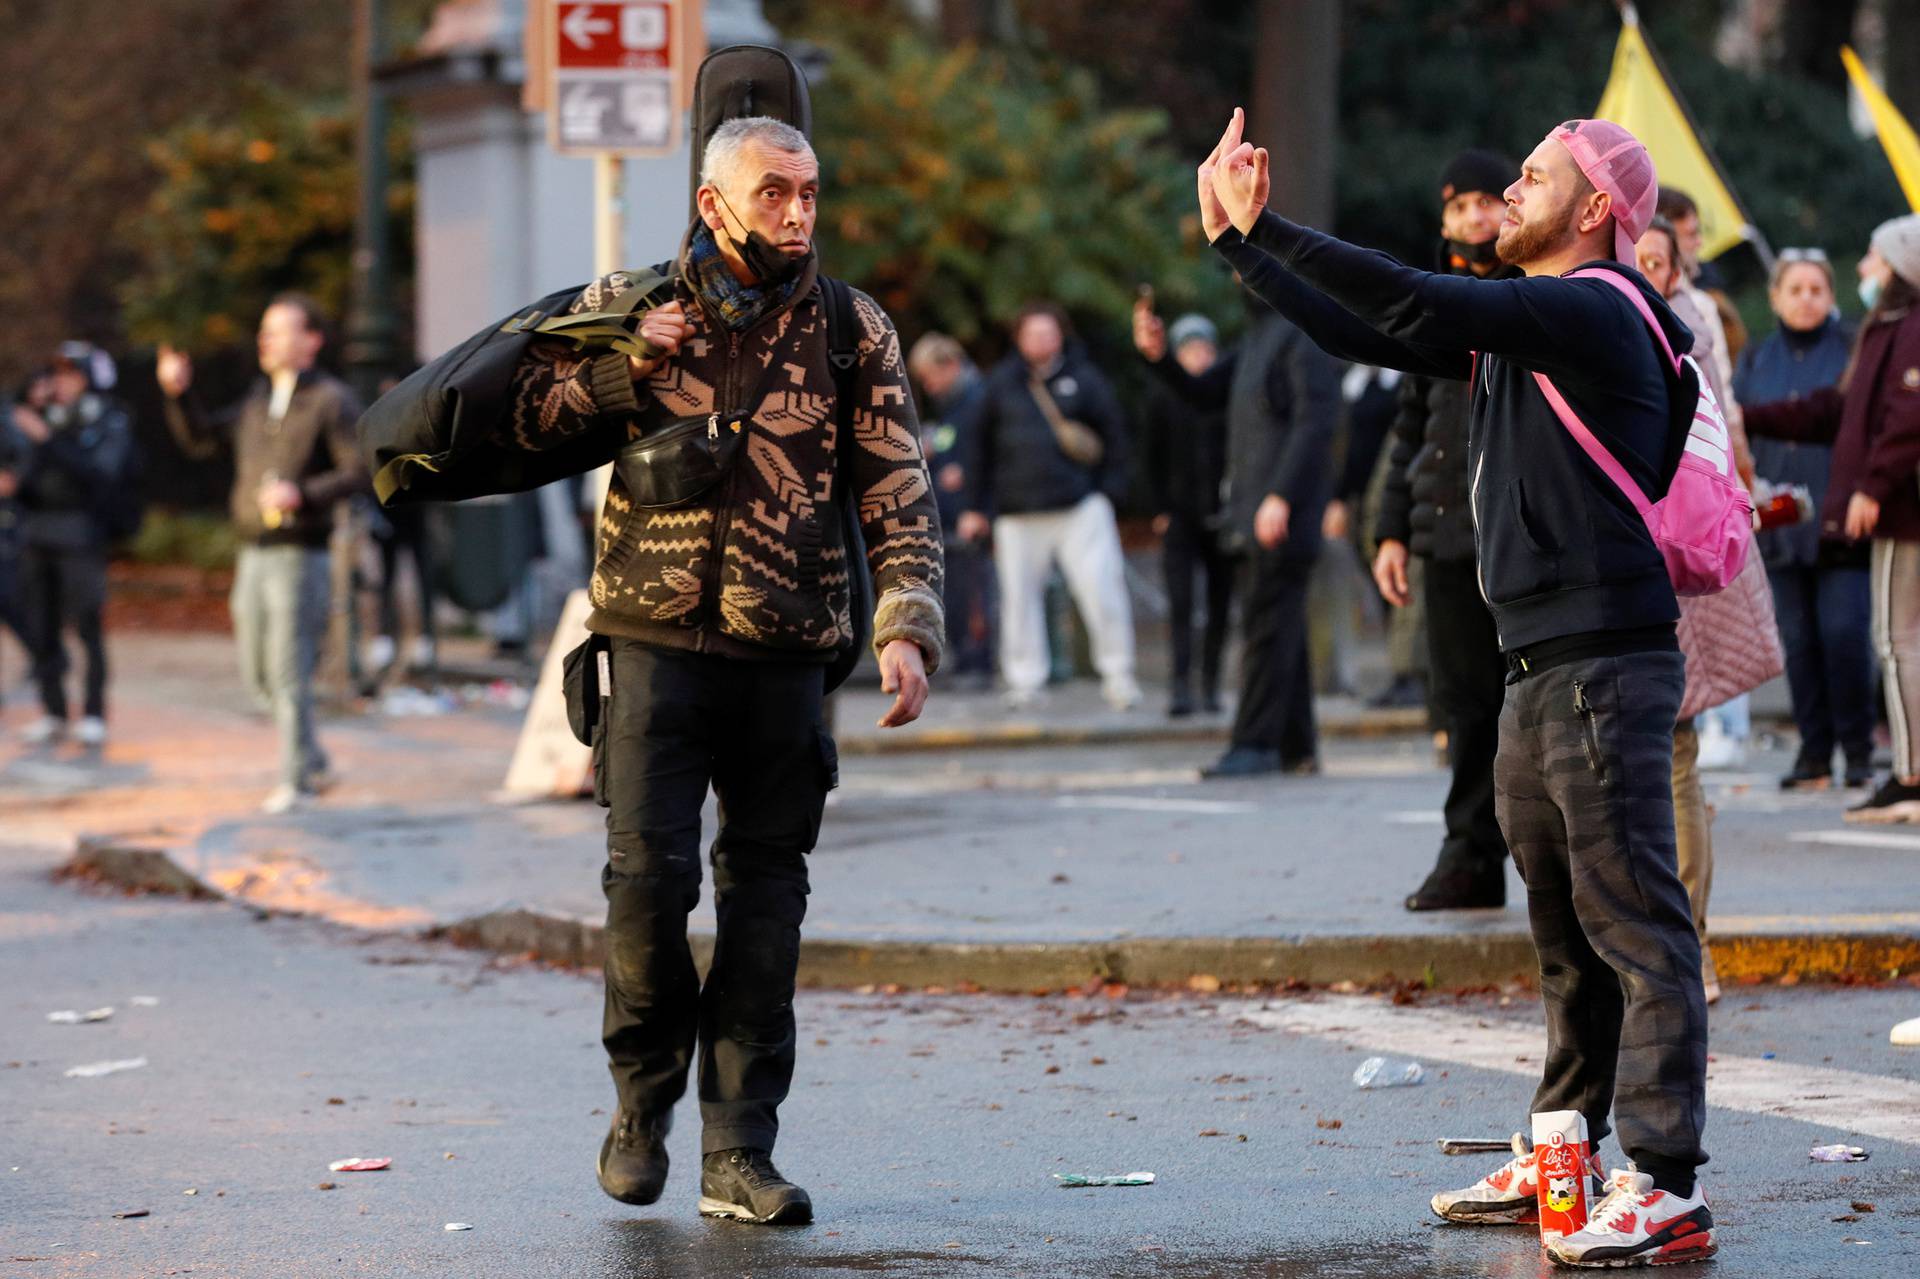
(369, 353)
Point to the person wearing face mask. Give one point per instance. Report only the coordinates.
(717, 614)
(1820, 593)
(1424, 511)
(78, 446)
(1872, 418)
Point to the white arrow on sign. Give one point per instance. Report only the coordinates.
(580, 26)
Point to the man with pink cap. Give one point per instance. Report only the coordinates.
(1585, 610)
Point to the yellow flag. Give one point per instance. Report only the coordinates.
(1639, 99)
(1896, 135)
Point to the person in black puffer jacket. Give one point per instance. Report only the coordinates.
(1042, 405)
(1425, 511)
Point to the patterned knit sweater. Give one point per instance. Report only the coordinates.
(757, 567)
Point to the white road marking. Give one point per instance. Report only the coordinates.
(1151, 804)
(1846, 1100)
(1857, 839)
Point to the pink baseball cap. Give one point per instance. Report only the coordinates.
(1615, 162)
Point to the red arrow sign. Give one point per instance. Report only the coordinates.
(612, 34)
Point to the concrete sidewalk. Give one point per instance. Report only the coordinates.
(1005, 868)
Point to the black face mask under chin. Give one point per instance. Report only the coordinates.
(762, 257)
(1464, 254)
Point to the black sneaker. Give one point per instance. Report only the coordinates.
(633, 1158)
(1180, 705)
(1809, 774)
(743, 1185)
(1452, 888)
(1895, 801)
(1243, 761)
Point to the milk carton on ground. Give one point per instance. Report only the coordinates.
(1562, 1160)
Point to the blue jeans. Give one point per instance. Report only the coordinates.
(1824, 616)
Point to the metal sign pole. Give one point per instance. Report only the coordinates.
(609, 211)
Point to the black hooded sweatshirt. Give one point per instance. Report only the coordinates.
(1561, 551)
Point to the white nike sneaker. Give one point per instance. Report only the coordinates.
(1636, 1225)
(1508, 1196)
(44, 731)
(377, 654)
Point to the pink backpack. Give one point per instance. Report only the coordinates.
(1704, 525)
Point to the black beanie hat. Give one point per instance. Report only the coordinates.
(1477, 170)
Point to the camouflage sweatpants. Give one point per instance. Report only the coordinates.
(1584, 792)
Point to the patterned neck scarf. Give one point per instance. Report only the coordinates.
(738, 305)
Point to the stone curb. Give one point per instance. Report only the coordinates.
(1012, 735)
(1442, 961)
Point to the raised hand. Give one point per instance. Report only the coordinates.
(1149, 332)
(1240, 178)
(1213, 214)
(174, 371)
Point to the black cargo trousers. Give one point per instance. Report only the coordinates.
(1584, 787)
(672, 724)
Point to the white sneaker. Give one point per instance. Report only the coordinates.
(1122, 694)
(421, 655)
(378, 653)
(92, 732)
(44, 731)
(1720, 749)
(1022, 699)
(1636, 1225)
(1508, 1196)
(282, 799)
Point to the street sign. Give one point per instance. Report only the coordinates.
(616, 74)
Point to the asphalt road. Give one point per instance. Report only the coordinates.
(927, 1126)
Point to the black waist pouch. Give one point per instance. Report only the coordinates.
(676, 463)
(583, 686)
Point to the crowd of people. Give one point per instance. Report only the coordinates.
(1500, 427)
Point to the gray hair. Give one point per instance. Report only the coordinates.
(722, 155)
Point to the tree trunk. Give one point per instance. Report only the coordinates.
(1811, 33)
(1902, 78)
(1293, 112)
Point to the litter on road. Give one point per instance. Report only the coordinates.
(73, 1017)
(94, 1069)
(360, 1163)
(1388, 1072)
(131, 1213)
(1472, 1145)
(458, 1225)
(1074, 1180)
(1839, 1153)
(1906, 1034)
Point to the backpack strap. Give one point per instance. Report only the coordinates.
(1593, 448)
(843, 357)
(1639, 301)
(607, 328)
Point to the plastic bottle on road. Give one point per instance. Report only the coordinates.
(1388, 1072)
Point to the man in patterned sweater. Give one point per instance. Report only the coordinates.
(722, 615)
